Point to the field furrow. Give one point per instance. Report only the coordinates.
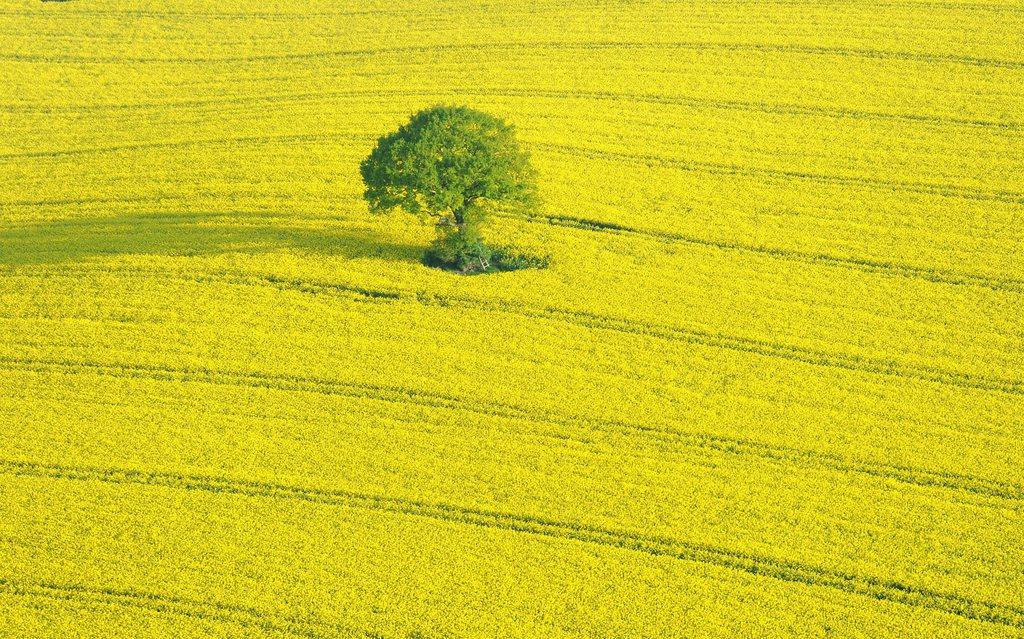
(170, 605)
(566, 531)
(761, 374)
(578, 428)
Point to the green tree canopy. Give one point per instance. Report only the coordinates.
(452, 165)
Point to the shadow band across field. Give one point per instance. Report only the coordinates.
(656, 546)
(188, 234)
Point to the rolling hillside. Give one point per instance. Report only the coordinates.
(772, 383)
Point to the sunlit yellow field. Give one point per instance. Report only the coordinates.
(771, 384)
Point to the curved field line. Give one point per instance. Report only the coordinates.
(961, 6)
(925, 4)
(855, 363)
(147, 199)
(688, 335)
(738, 105)
(926, 188)
(759, 48)
(127, 199)
(225, 142)
(663, 99)
(888, 268)
(225, 15)
(765, 348)
(787, 571)
(669, 437)
(891, 269)
(172, 605)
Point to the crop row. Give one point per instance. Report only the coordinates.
(165, 604)
(697, 337)
(943, 190)
(809, 110)
(569, 531)
(673, 438)
(591, 45)
(888, 268)
(717, 340)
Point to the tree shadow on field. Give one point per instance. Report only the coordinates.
(191, 234)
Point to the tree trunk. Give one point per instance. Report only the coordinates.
(459, 216)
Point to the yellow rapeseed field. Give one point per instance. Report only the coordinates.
(770, 385)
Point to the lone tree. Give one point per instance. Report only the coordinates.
(452, 165)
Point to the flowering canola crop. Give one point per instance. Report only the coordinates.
(771, 383)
